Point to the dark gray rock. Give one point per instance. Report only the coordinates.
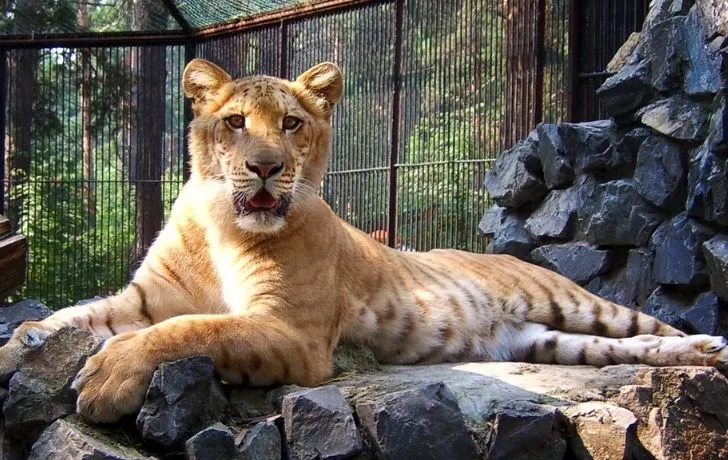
(14, 315)
(513, 238)
(659, 175)
(601, 430)
(676, 117)
(715, 251)
(614, 213)
(664, 43)
(718, 132)
(580, 262)
(424, 422)
(492, 219)
(215, 442)
(678, 251)
(40, 391)
(516, 176)
(527, 432)
(319, 425)
(713, 17)
(262, 442)
(183, 398)
(11, 449)
(627, 90)
(588, 145)
(708, 186)
(704, 316)
(668, 305)
(629, 285)
(68, 440)
(627, 147)
(702, 73)
(556, 216)
(557, 169)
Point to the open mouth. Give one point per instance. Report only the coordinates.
(261, 202)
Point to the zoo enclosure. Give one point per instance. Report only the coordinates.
(94, 119)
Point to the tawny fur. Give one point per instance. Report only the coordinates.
(268, 296)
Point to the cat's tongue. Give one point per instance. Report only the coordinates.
(263, 199)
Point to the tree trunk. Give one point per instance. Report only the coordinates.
(147, 130)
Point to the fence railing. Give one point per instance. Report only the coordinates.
(94, 128)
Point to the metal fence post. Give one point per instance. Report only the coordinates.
(283, 54)
(540, 49)
(575, 20)
(396, 106)
(3, 110)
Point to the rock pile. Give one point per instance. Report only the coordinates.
(634, 208)
(459, 411)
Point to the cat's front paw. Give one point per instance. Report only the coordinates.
(114, 381)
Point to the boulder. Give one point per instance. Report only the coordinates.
(669, 305)
(676, 117)
(704, 316)
(516, 177)
(556, 215)
(702, 74)
(492, 220)
(580, 262)
(68, 440)
(14, 315)
(526, 432)
(629, 285)
(601, 430)
(659, 175)
(513, 238)
(588, 145)
(557, 169)
(261, 442)
(423, 422)
(183, 398)
(215, 442)
(715, 251)
(40, 391)
(614, 213)
(678, 251)
(627, 90)
(664, 45)
(319, 425)
(708, 186)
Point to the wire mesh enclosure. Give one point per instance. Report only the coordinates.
(94, 126)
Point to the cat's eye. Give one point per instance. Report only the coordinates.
(235, 121)
(291, 123)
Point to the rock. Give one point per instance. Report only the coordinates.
(664, 43)
(492, 220)
(702, 75)
(659, 176)
(183, 398)
(708, 186)
(715, 251)
(623, 54)
(678, 251)
(628, 90)
(40, 391)
(215, 442)
(14, 315)
(580, 262)
(319, 425)
(704, 316)
(513, 238)
(67, 440)
(350, 358)
(629, 285)
(11, 449)
(626, 149)
(251, 402)
(588, 145)
(516, 176)
(713, 17)
(423, 422)
(556, 215)
(686, 413)
(557, 169)
(526, 432)
(668, 305)
(602, 430)
(262, 442)
(718, 132)
(614, 213)
(676, 117)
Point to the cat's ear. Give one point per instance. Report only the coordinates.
(202, 77)
(325, 82)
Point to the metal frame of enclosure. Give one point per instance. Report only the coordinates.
(93, 123)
